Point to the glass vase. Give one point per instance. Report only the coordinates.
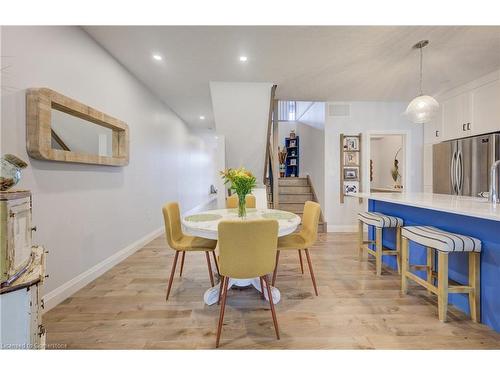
(242, 206)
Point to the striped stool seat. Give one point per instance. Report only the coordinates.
(444, 244)
(441, 240)
(380, 220)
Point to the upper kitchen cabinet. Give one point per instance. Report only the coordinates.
(457, 116)
(468, 110)
(433, 131)
(486, 108)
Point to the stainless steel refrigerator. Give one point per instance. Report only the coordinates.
(462, 166)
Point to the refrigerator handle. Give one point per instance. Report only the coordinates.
(453, 172)
(460, 174)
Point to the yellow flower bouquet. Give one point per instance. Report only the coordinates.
(242, 182)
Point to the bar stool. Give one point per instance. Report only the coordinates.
(379, 221)
(445, 243)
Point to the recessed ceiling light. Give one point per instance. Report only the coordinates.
(243, 58)
(157, 57)
(202, 117)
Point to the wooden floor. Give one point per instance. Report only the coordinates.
(126, 309)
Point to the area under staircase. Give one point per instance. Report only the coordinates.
(294, 192)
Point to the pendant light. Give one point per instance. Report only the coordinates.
(424, 107)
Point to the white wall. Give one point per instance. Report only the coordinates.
(365, 117)
(86, 214)
(241, 112)
(312, 141)
(383, 149)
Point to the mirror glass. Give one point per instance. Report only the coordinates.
(71, 133)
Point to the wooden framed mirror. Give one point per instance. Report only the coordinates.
(59, 128)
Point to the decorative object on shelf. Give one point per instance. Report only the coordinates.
(351, 187)
(351, 143)
(292, 134)
(293, 156)
(56, 125)
(282, 154)
(424, 107)
(351, 158)
(10, 171)
(242, 182)
(371, 170)
(396, 176)
(350, 165)
(351, 173)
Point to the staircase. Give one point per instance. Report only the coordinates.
(294, 192)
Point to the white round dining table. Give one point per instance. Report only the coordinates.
(205, 224)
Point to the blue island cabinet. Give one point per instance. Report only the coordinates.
(488, 231)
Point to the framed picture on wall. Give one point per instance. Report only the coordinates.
(351, 143)
(351, 158)
(351, 173)
(351, 187)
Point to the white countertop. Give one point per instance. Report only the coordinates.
(468, 206)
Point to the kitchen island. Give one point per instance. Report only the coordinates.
(463, 215)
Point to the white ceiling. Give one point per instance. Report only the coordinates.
(307, 63)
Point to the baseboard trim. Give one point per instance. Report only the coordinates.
(70, 287)
(342, 228)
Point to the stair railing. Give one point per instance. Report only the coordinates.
(271, 166)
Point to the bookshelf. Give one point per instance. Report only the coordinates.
(292, 157)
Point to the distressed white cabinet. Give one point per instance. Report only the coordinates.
(22, 272)
(486, 108)
(21, 319)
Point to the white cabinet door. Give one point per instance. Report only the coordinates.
(457, 116)
(466, 123)
(451, 117)
(433, 131)
(486, 108)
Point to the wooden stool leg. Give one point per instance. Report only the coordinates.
(442, 285)
(222, 308)
(475, 283)
(182, 263)
(430, 267)
(276, 267)
(398, 248)
(271, 303)
(360, 240)
(378, 247)
(172, 273)
(301, 264)
(210, 269)
(311, 271)
(405, 249)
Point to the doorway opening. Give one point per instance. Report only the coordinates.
(388, 164)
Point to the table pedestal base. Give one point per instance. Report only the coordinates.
(211, 296)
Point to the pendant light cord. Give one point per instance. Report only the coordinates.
(421, 69)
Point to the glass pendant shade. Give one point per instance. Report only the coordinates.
(422, 109)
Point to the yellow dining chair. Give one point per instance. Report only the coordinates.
(247, 249)
(181, 243)
(302, 240)
(232, 201)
